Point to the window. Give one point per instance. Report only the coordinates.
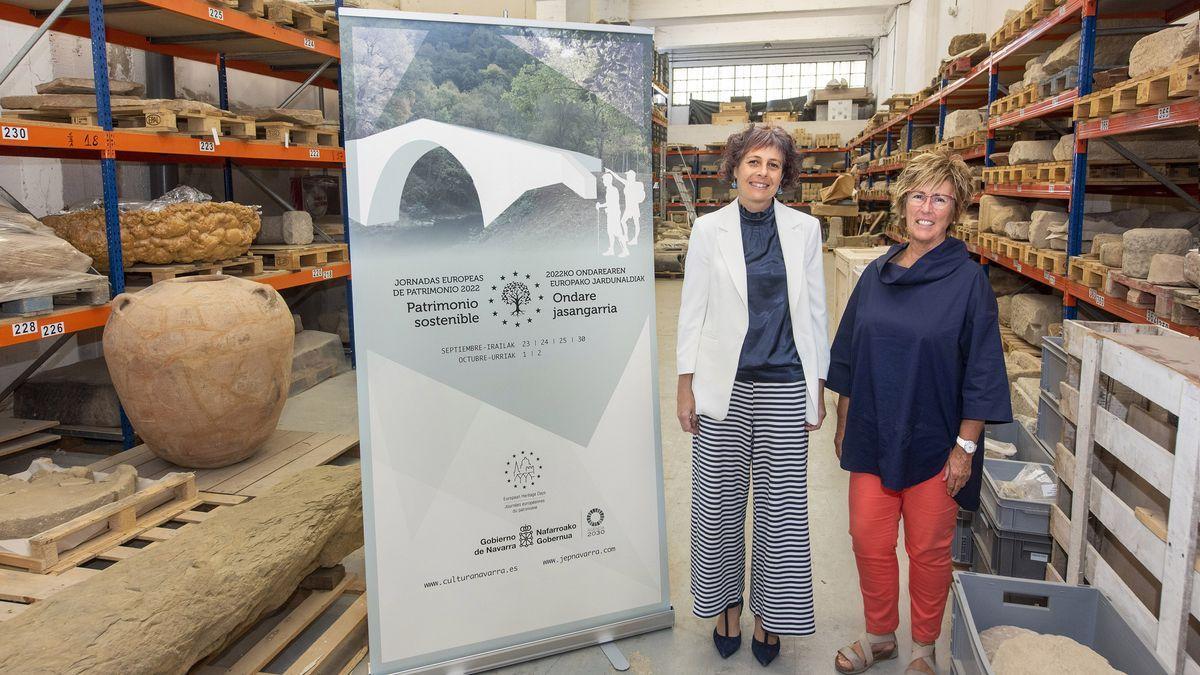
(761, 82)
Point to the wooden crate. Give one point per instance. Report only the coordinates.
(731, 118)
(773, 117)
(106, 527)
(246, 265)
(288, 257)
(284, 454)
(1164, 368)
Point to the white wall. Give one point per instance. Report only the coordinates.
(917, 36)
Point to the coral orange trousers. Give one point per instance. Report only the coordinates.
(929, 517)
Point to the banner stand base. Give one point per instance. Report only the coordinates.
(615, 658)
(601, 635)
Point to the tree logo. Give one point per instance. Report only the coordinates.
(515, 299)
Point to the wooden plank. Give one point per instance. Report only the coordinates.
(1150, 460)
(271, 463)
(1157, 367)
(221, 499)
(342, 630)
(119, 553)
(1180, 556)
(1060, 526)
(26, 443)
(1089, 389)
(133, 457)
(12, 428)
(207, 478)
(28, 587)
(318, 456)
(1124, 601)
(287, 630)
(158, 534)
(10, 609)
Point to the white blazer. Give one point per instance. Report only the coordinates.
(714, 315)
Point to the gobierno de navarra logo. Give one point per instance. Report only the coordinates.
(515, 299)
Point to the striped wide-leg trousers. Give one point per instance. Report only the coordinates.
(763, 435)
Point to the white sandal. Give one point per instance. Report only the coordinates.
(924, 653)
(866, 643)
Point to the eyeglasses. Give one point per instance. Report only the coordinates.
(940, 202)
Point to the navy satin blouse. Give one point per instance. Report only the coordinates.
(769, 350)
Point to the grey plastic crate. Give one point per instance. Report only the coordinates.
(1054, 365)
(1081, 613)
(963, 548)
(1029, 448)
(1012, 554)
(1012, 515)
(1050, 421)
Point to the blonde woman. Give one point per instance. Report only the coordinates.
(752, 357)
(919, 368)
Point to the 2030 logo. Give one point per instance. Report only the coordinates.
(595, 520)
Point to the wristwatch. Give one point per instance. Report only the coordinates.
(967, 446)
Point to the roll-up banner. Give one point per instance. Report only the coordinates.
(498, 179)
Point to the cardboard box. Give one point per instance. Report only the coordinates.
(733, 106)
(731, 118)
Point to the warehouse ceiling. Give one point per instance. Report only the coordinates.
(690, 24)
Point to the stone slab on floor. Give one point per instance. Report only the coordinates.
(316, 357)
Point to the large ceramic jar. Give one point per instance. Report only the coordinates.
(201, 365)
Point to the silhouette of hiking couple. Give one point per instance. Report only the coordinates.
(618, 220)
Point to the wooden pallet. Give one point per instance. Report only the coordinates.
(1089, 271)
(989, 241)
(149, 119)
(1181, 80)
(18, 435)
(93, 293)
(1013, 102)
(284, 454)
(112, 525)
(296, 15)
(1011, 342)
(246, 265)
(1141, 293)
(1054, 262)
(1185, 306)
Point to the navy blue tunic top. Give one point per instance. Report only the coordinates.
(918, 351)
(769, 350)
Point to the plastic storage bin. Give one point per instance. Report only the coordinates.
(1012, 554)
(1050, 421)
(963, 547)
(1054, 365)
(1078, 612)
(1029, 448)
(1012, 515)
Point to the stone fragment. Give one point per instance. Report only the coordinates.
(1129, 218)
(1031, 152)
(1021, 364)
(1191, 268)
(86, 85)
(1038, 653)
(316, 357)
(962, 122)
(169, 606)
(1032, 315)
(1040, 224)
(77, 394)
(1161, 50)
(1017, 229)
(1143, 243)
(292, 227)
(965, 41)
(1024, 396)
(299, 323)
(1166, 270)
(1110, 50)
(995, 211)
(1005, 282)
(1112, 254)
(999, 159)
(1004, 308)
(1146, 146)
(1100, 240)
(51, 497)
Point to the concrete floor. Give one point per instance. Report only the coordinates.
(687, 648)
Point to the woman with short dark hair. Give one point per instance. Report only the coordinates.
(752, 353)
(919, 368)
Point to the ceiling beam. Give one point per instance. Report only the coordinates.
(679, 34)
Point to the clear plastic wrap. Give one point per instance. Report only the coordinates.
(182, 226)
(1033, 483)
(35, 262)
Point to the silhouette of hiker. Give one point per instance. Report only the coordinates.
(635, 194)
(612, 212)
